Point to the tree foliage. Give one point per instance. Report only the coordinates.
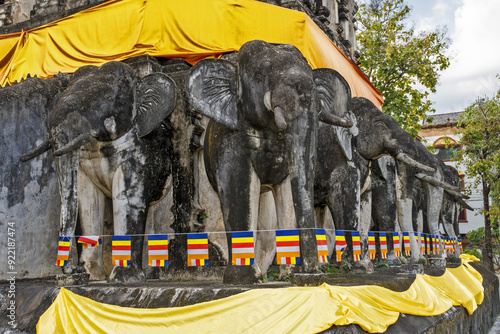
(402, 64)
(479, 126)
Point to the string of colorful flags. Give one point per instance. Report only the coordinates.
(243, 247)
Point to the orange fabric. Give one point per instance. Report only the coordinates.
(191, 30)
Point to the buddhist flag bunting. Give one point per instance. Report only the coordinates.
(422, 244)
(340, 244)
(435, 248)
(406, 243)
(454, 245)
(383, 244)
(63, 251)
(121, 250)
(460, 245)
(287, 247)
(372, 250)
(396, 244)
(428, 244)
(322, 245)
(243, 251)
(356, 246)
(90, 241)
(197, 244)
(446, 245)
(417, 240)
(158, 250)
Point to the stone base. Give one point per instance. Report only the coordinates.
(413, 268)
(437, 261)
(34, 297)
(72, 279)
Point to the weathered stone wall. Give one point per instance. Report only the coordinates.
(29, 192)
(29, 195)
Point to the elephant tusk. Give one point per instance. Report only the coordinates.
(45, 146)
(456, 194)
(331, 119)
(463, 204)
(446, 186)
(409, 161)
(267, 101)
(82, 139)
(279, 118)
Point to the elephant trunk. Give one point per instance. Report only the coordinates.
(67, 171)
(45, 146)
(74, 144)
(302, 159)
(409, 161)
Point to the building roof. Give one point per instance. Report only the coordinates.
(442, 121)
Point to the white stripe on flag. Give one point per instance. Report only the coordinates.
(158, 252)
(322, 247)
(121, 252)
(62, 252)
(198, 251)
(288, 249)
(243, 250)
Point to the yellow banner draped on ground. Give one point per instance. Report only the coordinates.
(192, 30)
(289, 310)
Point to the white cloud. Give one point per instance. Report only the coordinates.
(476, 46)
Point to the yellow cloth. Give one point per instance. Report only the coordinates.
(288, 310)
(192, 30)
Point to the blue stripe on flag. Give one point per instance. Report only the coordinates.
(320, 232)
(158, 237)
(282, 233)
(197, 235)
(242, 234)
(122, 237)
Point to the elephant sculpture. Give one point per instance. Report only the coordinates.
(441, 195)
(379, 134)
(107, 138)
(264, 116)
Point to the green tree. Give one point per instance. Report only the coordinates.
(402, 64)
(479, 126)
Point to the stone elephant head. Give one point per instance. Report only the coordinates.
(107, 138)
(379, 134)
(265, 112)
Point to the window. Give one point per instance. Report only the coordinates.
(446, 148)
(462, 216)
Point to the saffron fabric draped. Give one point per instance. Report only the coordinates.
(286, 310)
(191, 30)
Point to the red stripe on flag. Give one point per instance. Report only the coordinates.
(63, 248)
(321, 242)
(157, 247)
(120, 247)
(287, 243)
(197, 246)
(242, 244)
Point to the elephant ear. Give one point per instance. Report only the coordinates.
(334, 95)
(156, 98)
(212, 89)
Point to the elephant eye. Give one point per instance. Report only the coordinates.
(258, 77)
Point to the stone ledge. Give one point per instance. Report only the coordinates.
(34, 297)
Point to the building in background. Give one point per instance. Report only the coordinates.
(442, 134)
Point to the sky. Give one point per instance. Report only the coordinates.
(474, 29)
